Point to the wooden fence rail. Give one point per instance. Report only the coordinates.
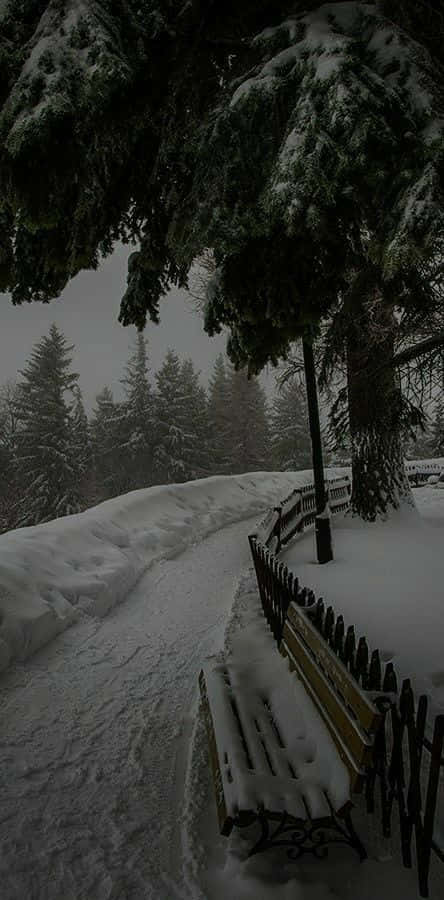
(408, 759)
(419, 471)
(298, 512)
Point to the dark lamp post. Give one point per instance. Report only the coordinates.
(322, 520)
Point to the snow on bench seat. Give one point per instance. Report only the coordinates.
(270, 748)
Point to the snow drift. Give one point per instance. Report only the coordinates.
(53, 574)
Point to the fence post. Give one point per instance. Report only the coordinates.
(278, 528)
(426, 838)
(258, 567)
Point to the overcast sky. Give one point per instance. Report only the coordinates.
(87, 314)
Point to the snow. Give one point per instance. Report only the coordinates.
(95, 731)
(217, 867)
(257, 671)
(347, 68)
(319, 40)
(54, 574)
(418, 198)
(104, 785)
(386, 579)
(212, 873)
(101, 57)
(243, 91)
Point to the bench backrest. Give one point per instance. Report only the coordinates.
(351, 716)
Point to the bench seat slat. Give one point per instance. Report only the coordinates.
(244, 780)
(249, 710)
(225, 821)
(364, 709)
(358, 743)
(262, 738)
(356, 773)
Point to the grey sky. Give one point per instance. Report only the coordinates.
(87, 314)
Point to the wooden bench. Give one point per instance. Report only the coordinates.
(350, 713)
(258, 777)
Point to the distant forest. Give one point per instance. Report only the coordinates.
(55, 460)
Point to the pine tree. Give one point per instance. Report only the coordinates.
(137, 422)
(437, 431)
(109, 463)
(317, 174)
(8, 440)
(169, 461)
(219, 418)
(81, 447)
(249, 431)
(341, 71)
(194, 421)
(290, 436)
(45, 465)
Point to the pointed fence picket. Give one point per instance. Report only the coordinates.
(408, 759)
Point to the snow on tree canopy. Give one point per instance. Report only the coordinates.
(73, 54)
(294, 152)
(355, 119)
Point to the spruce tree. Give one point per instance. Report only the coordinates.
(219, 418)
(437, 431)
(6, 471)
(8, 439)
(137, 422)
(81, 447)
(169, 461)
(290, 435)
(303, 144)
(349, 111)
(194, 419)
(45, 464)
(181, 450)
(109, 462)
(249, 430)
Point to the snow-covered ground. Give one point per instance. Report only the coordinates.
(217, 867)
(387, 579)
(54, 574)
(97, 724)
(95, 729)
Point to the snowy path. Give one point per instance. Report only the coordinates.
(95, 731)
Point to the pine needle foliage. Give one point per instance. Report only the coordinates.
(137, 417)
(45, 465)
(301, 142)
(290, 435)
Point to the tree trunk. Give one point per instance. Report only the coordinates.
(380, 483)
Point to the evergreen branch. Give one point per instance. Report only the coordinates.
(415, 352)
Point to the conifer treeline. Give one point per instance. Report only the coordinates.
(168, 428)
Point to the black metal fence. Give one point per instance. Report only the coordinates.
(413, 779)
(278, 587)
(408, 762)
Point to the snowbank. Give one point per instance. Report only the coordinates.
(52, 574)
(387, 579)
